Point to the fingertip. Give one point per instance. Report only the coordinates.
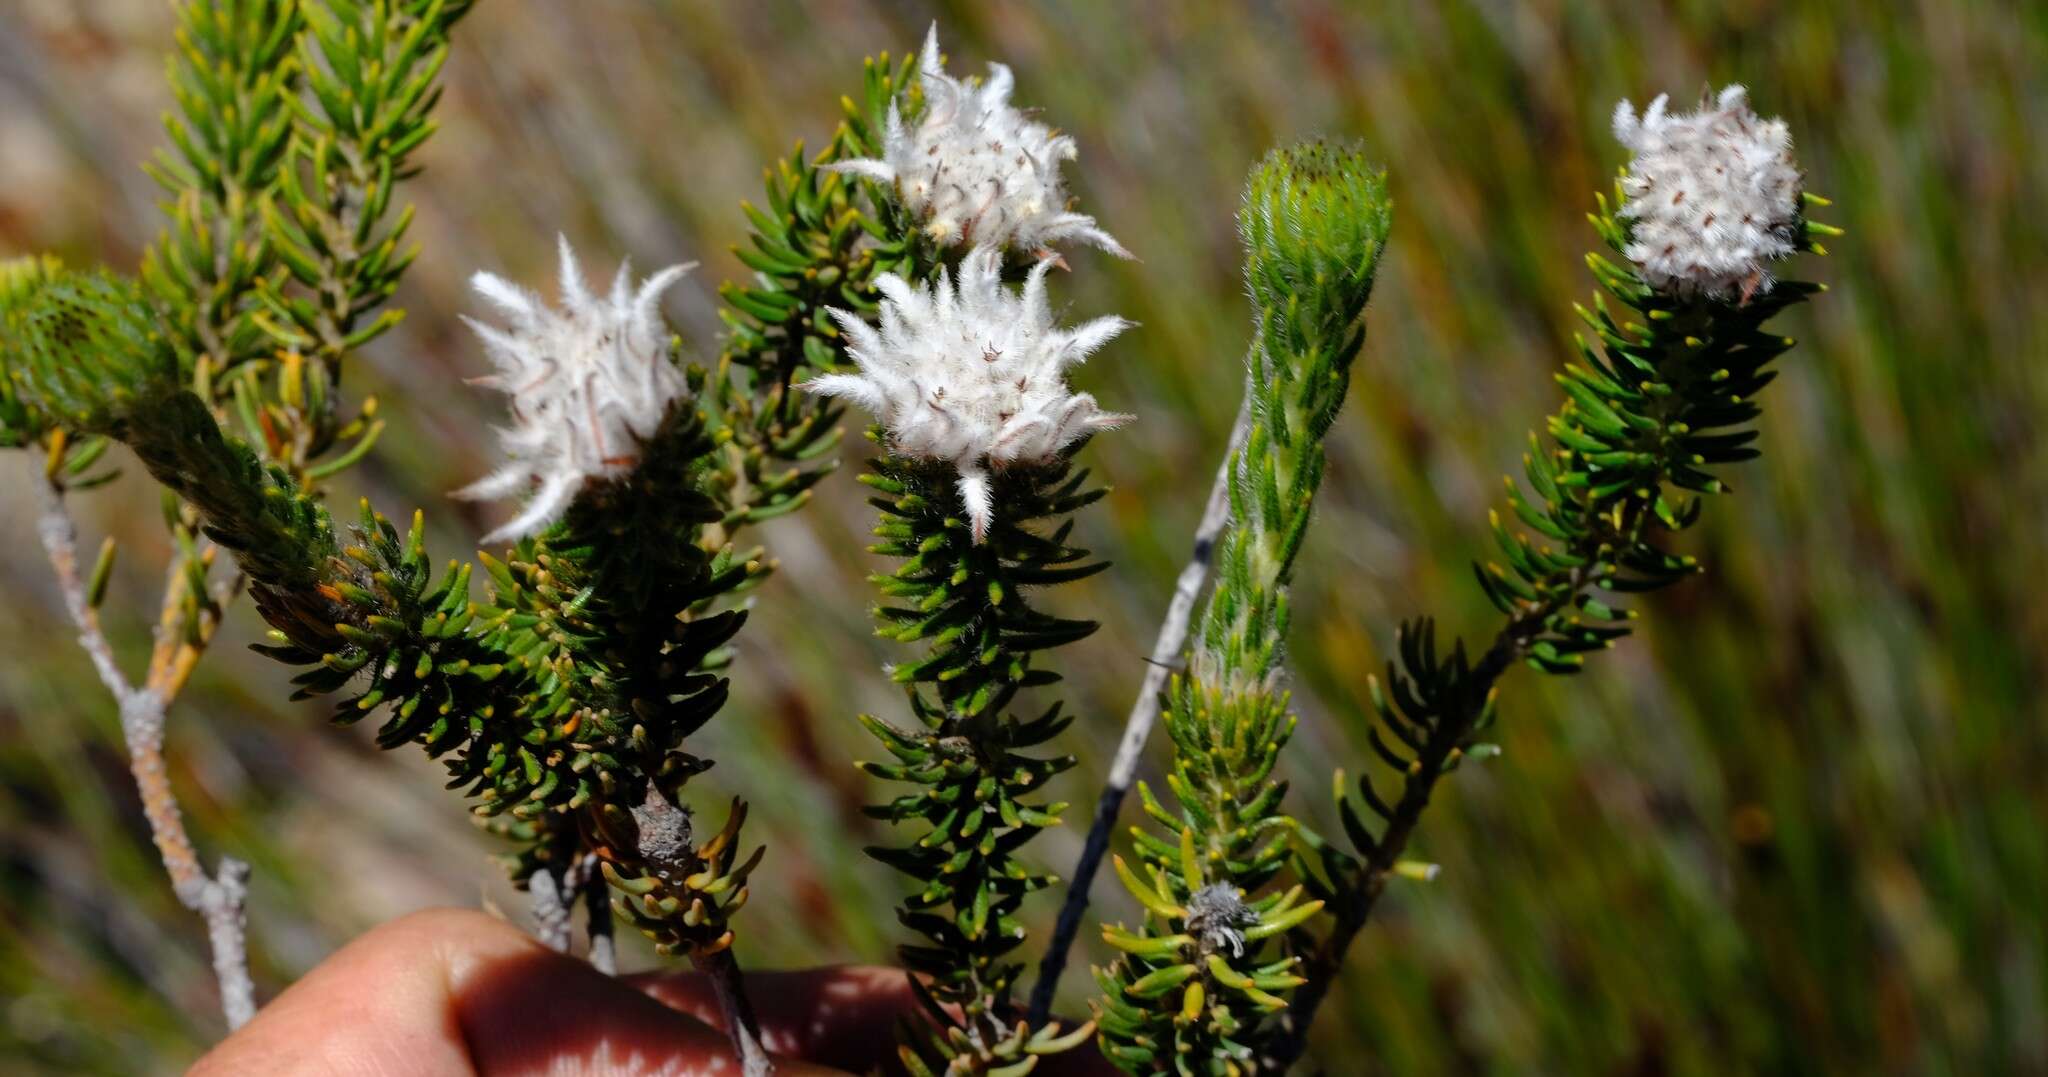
(456, 991)
(838, 1015)
(379, 1004)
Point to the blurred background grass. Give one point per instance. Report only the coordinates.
(1794, 826)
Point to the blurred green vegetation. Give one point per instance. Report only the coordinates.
(1796, 825)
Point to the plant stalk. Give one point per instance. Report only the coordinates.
(597, 913)
(218, 898)
(723, 970)
(1123, 770)
(1355, 905)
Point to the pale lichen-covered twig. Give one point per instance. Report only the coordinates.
(554, 895)
(552, 901)
(218, 898)
(1166, 652)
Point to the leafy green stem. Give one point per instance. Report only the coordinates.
(1661, 394)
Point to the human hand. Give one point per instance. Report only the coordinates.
(450, 993)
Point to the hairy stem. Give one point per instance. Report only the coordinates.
(1166, 653)
(554, 891)
(218, 898)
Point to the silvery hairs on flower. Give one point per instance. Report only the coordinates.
(977, 170)
(1713, 195)
(587, 383)
(972, 374)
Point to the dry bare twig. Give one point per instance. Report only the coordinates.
(218, 898)
(1123, 770)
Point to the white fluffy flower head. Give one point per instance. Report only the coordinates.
(1714, 194)
(588, 382)
(972, 374)
(977, 170)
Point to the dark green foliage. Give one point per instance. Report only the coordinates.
(560, 700)
(1196, 988)
(598, 617)
(968, 758)
(965, 599)
(1658, 399)
(392, 637)
(561, 703)
(613, 629)
(820, 243)
(1667, 393)
(1662, 395)
(1430, 711)
(254, 509)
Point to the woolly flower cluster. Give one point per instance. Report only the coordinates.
(1714, 194)
(588, 382)
(972, 374)
(977, 170)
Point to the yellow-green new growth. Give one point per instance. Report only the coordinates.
(1313, 222)
(1196, 988)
